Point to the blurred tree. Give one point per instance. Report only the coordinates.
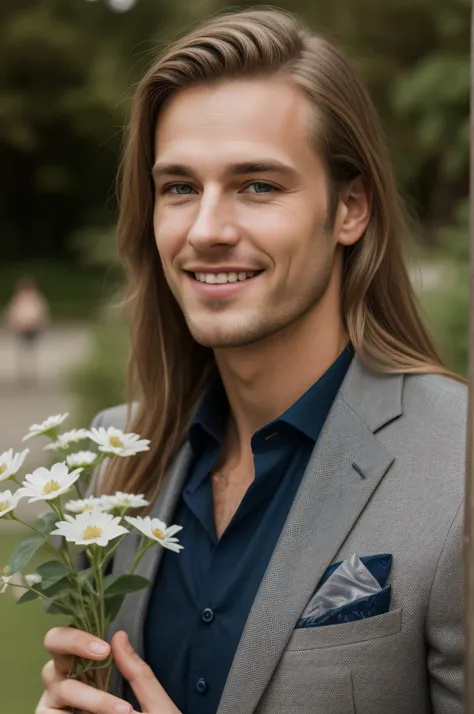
(66, 68)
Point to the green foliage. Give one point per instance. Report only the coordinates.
(51, 572)
(23, 629)
(100, 381)
(123, 584)
(447, 305)
(24, 552)
(47, 523)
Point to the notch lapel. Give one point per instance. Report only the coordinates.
(345, 467)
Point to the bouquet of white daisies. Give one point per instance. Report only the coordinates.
(89, 524)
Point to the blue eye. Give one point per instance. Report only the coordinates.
(261, 187)
(187, 189)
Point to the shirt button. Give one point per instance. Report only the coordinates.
(207, 615)
(201, 685)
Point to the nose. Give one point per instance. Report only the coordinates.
(215, 225)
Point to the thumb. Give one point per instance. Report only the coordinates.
(147, 689)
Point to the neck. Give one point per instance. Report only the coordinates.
(265, 379)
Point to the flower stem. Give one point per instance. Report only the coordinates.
(144, 546)
(42, 596)
(45, 545)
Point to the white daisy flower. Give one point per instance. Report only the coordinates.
(156, 530)
(81, 458)
(45, 484)
(5, 579)
(33, 579)
(8, 502)
(67, 438)
(11, 463)
(84, 504)
(90, 527)
(114, 442)
(124, 500)
(46, 427)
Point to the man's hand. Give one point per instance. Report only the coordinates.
(61, 693)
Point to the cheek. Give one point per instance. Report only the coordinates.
(168, 235)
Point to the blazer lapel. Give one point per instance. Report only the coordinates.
(346, 466)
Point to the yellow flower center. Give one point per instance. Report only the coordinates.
(158, 533)
(3, 468)
(91, 532)
(3, 505)
(51, 487)
(115, 442)
(87, 508)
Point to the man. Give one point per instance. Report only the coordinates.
(304, 432)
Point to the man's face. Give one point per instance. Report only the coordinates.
(241, 205)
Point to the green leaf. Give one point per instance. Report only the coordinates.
(27, 597)
(112, 607)
(61, 587)
(24, 552)
(52, 571)
(54, 608)
(47, 522)
(123, 584)
(86, 578)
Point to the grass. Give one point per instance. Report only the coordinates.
(22, 656)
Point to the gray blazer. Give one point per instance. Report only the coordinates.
(386, 476)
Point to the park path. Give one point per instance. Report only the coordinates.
(62, 347)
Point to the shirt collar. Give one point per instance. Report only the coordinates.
(307, 414)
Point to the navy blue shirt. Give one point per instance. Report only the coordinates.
(201, 598)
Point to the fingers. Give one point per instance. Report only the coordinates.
(147, 689)
(67, 693)
(63, 643)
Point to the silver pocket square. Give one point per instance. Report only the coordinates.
(349, 582)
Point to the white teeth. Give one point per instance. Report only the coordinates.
(222, 278)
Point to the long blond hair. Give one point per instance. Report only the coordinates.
(171, 370)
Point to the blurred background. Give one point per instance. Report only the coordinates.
(67, 71)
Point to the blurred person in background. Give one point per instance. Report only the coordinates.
(304, 431)
(27, 317)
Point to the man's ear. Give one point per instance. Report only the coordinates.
(353, 213)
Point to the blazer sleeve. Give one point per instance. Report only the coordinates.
(445, 625)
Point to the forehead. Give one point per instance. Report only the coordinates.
(236, 119)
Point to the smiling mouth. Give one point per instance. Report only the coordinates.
(223, 278)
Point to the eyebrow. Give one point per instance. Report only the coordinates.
(236, 169)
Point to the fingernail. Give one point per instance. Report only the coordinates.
(122, 708)
(98, 647)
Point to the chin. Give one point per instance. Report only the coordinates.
(221, 337)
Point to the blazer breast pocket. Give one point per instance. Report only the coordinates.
(348, 633)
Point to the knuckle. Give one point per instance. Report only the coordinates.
(146, 671)
(61, 691)
(50, 637)
(48, 672)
